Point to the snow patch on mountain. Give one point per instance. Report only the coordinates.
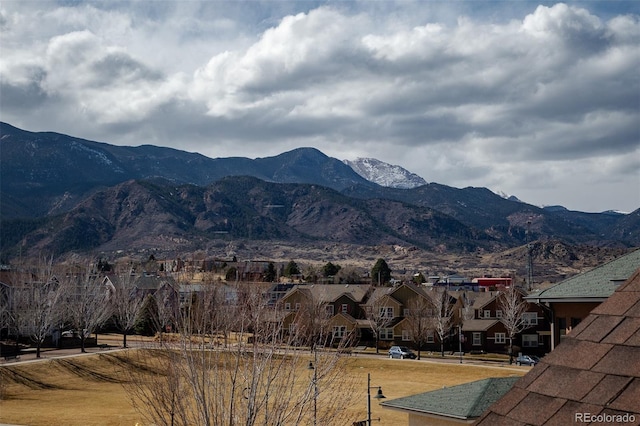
(507, 196)
(385, 174)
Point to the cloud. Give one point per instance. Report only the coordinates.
(510, 97)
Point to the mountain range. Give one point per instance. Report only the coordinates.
(63, 194)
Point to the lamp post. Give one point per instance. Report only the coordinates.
(378, 395)
(460, 336)
(313, 367)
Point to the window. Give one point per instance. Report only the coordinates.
(529, 340)
(345, 308)
(287, 306)
(498, 314)
(293, 328)
(487, 313)
(430, 336)
(501, 338)
(329, 310)
(476, 339)
(530, 318)
(386, 312)
(406, 312)
(297, 306)
(406, 336)
(386, 334)
(339, 331)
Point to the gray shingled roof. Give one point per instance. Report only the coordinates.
(595, 370)
(331, 292)
(466, 401)
(598, 283)
(478, 324)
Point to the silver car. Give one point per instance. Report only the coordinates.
(401, 352)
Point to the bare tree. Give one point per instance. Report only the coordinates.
(443, 314)
(166, 300)
(513, 307)
(466, 311)
(378, 313)
(86, 301)
(36, 302)
(258, 379)
(153, 380)
(311, 320)
(419, 317)
(126, 302)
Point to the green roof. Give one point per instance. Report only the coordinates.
(598, 283)
(467, 401)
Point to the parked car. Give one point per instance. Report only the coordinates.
(401, 352)
(527, 360)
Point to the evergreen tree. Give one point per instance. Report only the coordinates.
(270, 275)
(419, 278)
(380, 273)
(330, 269)
(291, 269)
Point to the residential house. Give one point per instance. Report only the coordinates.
(328, 310)
(454, 405)
(484, 332)
(392, 310)
(567, 303)
(593, 377)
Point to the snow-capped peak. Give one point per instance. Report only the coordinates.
(385, 174)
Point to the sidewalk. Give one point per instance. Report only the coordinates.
(106, 343)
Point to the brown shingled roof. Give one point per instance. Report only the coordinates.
(595, 370)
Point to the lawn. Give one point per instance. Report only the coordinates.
(86, 390)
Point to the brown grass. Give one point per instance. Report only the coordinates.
(86, 390)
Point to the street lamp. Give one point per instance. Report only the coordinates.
(315, 386)
(378, 395)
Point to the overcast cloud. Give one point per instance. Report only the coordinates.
(541, 101)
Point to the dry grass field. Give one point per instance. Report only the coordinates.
(87, 390)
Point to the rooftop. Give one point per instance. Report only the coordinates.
(595, 370)
(466, 401)
(598, 283)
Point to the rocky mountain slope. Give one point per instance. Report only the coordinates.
(385, 174)
(63, 194)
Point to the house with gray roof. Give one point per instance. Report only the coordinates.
(567, 303)
(593, 377)
(454, 405)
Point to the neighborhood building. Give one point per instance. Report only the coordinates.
(567, 303)
(593, 377)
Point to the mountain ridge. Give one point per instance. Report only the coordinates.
(59, 185)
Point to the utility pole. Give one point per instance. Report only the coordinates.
(529, 258)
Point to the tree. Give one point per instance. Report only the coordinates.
(257, 380)
(270, 275)
(380, 273)
(513, 309)
(330, 270)
(166, 300)
(126, 302)
(419, 278)
(291, 269)
(419, 318)
(86, 301)
(443, 314)
(35, 302)
(40, 301)
(378, 314)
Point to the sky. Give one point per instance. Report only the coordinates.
(540, 100)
